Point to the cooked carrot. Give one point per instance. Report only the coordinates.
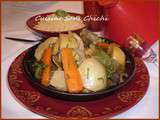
(46, 58)
(72, 75)
(103, 45)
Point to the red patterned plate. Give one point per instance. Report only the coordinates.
(120, 101)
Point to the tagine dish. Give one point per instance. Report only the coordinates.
(79, 64)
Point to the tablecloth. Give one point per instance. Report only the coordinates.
(14, 16)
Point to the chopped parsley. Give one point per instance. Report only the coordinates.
(61, 13)
(104, 40)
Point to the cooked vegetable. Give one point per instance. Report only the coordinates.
(88, 37)
(102, 45)
(55, 48)
(93, 75)
(79, 41)
(87, 65)
(64, 41)
(72, 40)
(117, 54)
(78, 53)
(57, 62)
(41, 48)
(37, 68)
(46, 59)
(87, 91)
(72, 75)
(68, 41)
(78, 56)
(104, 40)
(110, 64)
(58, 80)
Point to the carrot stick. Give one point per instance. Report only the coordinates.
(101, 44)
(46, 58)
(72, 75)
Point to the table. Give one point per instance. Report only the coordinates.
(14, 16)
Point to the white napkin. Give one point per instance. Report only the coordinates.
(10, 47)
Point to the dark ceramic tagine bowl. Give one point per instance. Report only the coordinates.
(53, 92)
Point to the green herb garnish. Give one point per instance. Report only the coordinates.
(37, 68)
(110, 64)
(104, 40)
(61, 13)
